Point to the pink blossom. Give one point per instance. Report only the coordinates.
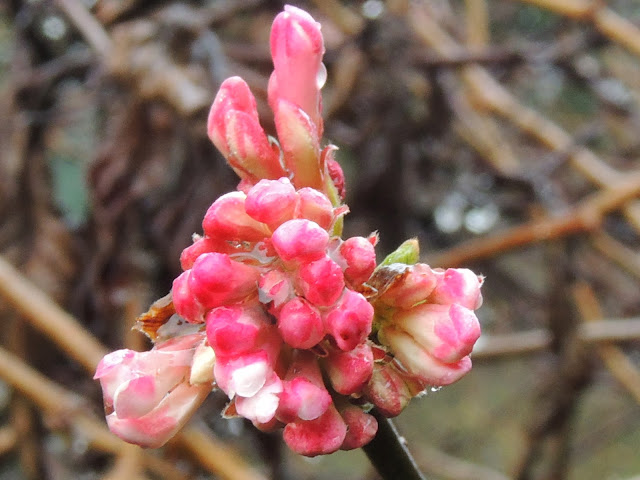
(297, 48)
(322, 281)
(315, 206)
(216, 280)
(147, 395)
(300, 324)
(261, 407)
(360, 258)
(300, 241)
(361, 427)
(420, 362)
(349, 321)
(185, 303)
(234, 128)
(448, 332)
(350, 371)
(457, 285)
(227, 219)
(237, 329)
(271, 202)
(416, 286)
(319, 436)
(388, 390)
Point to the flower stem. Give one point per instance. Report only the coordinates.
(389, 454)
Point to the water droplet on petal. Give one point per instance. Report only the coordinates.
(321, 76)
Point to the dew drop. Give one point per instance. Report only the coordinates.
(321, 76)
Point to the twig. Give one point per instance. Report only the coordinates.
(620, 366)
(8, 438)
(389, 454)
(216, 456)
(606, 330)
(585, 217)
(49, 318)
(90, 28)
(624, 256)
(452, 468)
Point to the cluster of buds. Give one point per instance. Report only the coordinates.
(301, 329)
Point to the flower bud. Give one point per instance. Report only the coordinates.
(322, 282)
(236, 329)
(387, 390)
(185, 303)
(243, 375)
(315, 206)
(275, 286)
(349, 371)
(447, 332)
(349, 321)
(300, 241)
(261, 407)
(457, 285)
(304, 395)
(419, 363)
(300, 144)
(234, 128)
(216, 280)
(227, 219)
(360, 258)
(271, 202)
(320, 436)
(300, 324)
(361, 427)
(413, 287)
(297, 48)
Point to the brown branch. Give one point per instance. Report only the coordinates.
(8, 439)
(585, 217)
(624, 256)
(620, 366)
(521, 343)
(88, 26)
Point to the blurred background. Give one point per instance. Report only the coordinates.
(501, 133)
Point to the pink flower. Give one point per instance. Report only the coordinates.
(350, 371)
(360, 257)
(419, 362)
(271, 202)
(236, 329)
(147, 395)
(234, 128)
(322, 282)
(300, 241)
(388, 390)
(300, 324)
(319, 436)
(457, 285)
(349, 321)
(185, 303)
(361, 427)
(227, 219)
(216, 280)
(417, 284)
(315, 206)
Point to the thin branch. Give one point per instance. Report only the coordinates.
(88, 26)
(389, 454)
(8, 439)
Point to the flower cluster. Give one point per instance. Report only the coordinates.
(300, 328)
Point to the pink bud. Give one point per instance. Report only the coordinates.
(418, 361)
(234, 128)
(315, 206)
(458, 285)
(448, 332)
(414, 287)
(297, 48)
(320, 436)
(275, 286)
(198, 247)
(227, 219)
(262, 406)
(244, 375)
(148, 392)
(300, 144)
(349, 321)
(350, 371)
(236, 329)
(216, 280)
(300, 324)
(387, 390)
(300, 241)
(361, 427)
(185, 303)
(336, 174)
(271, 202)
(322, 282)
(360, 258)
(304, 396)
